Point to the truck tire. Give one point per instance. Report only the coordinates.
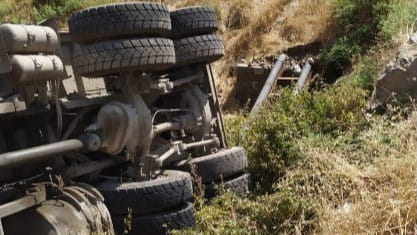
(218, 166)
(160, 223)
(166, 191)
(239, 185)
(198, 49)
(191, 21)
(119, 20)
(123, 55)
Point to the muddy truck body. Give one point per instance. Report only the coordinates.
(102, 126)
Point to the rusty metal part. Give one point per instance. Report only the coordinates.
(40, 153)
(269, 84)
(215, 106)
(249, 80)
(304, 76)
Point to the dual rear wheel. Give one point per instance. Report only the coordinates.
(146, 37)
(142, 37)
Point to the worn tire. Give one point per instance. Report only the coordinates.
(165, 192)
(218, 166)
(239, 185)
(161, 223)
(119, 20)
(124, 55)
(191, 21)
(198, 49)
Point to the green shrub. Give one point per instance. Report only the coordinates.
(400, 15)
(362, 24)
(272, 138)
(277, 213)
(4, 9)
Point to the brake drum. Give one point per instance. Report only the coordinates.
(76, 212)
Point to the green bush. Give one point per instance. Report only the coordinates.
(4, 9)
(272, 138)
(277, 213)
(400, 15)
(362, 24)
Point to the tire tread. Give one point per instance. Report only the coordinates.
(191, 21)
(120, 19)
(122, 55)
(198, 49)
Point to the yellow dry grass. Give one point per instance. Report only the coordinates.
(22, 12)
(260, 28)
(376, 196)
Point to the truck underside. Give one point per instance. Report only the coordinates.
(107, 121)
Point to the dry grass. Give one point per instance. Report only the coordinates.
(262, 22)
(376, 194)
(386, 202)
(12, 12)
(274, 27)
(259, 28)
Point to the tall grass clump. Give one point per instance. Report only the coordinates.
(272, 138)
(362, 24)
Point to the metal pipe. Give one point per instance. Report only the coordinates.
(303, 79)
(166, 126)
(270, 81)
(187, 121)
(90, 167)
(178, 147)
(40, 153)
(201, 143)
(160, 161)
(182, 81)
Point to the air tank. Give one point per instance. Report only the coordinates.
(33, 68)
(29, 39)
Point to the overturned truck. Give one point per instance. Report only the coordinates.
(102, 126)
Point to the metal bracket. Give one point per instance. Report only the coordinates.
(179, 147)
(34, 197)
(5, 64)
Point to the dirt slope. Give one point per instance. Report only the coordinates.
(256, 29)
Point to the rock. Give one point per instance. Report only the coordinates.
(399, 77)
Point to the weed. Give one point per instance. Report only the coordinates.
(363, 25)
(239, 14)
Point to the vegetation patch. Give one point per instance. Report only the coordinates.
(319, 162)
(364, 25)
(353, 172)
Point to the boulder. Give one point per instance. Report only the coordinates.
(399, 77)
